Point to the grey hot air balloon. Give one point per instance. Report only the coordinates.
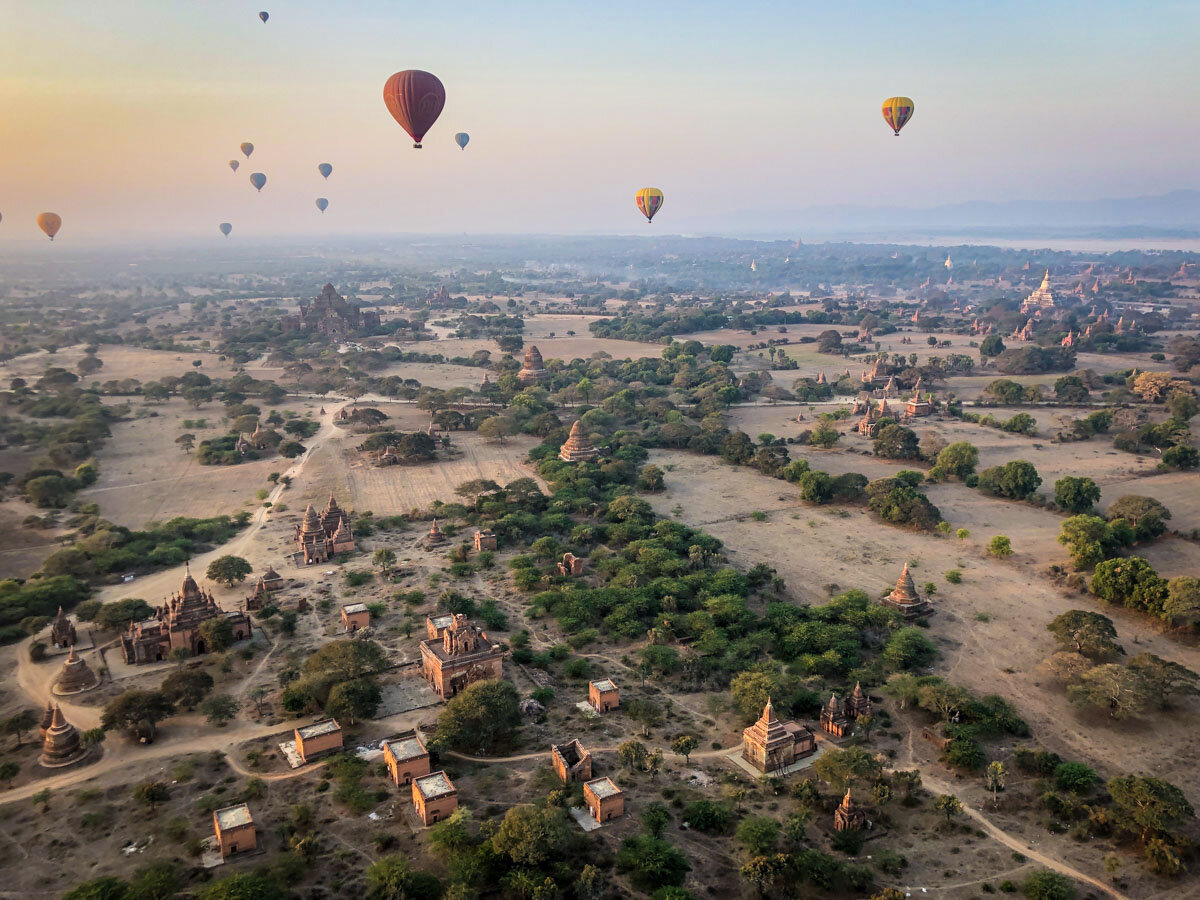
(233, 164)
(322, 204)
(247, 149)
(258, 179)
(325, 169)
(225, 228)
(461, 139)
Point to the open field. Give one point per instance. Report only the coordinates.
(120, 362)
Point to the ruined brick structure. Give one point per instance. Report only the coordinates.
(321, 537)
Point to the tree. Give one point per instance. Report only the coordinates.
(151, 793)
(1132, 582)
(1071, 389)
(532, 836)
(354, 700)
(958, 459)
(652, 862)
(1015, 480)
(1076, 495)
(1090, 539)
(1183, 601)
(186, 688)
(632, 755)
(1074, 777)
(186, 441)
(1121, 690)
(1046, 885)
(824, 435)
(758, 834)
(949, 806)
(219, 709)
(117, 615)
(8, 771)
(1145, 514)
(1166, 679)
(1151, 806)
(257, 887)
(217, 633)
(993, 777)
(646, 712)
(1181, 456)
(257, 695)
(497, 428)
(478, 717)
(815, 487)
(909, 648)
(384, 558)
(291, 449)
(1088, 633)
(228, 570)
(684, 745)
(842, 768)
(19, 723)
(991, 346)
(130, 709)
(179, 655)
(157, 881)
(751, 690)
(1000, 546)
(897, 442)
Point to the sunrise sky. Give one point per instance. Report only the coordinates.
(121, 115)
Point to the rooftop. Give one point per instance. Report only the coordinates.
(442, 621)
(325, 726)
(435, 784)
(604, 684)
(603, 788)
(353, 608)
(234, 817)
(406, 748)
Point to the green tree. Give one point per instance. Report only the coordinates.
(384, 558)
(684, 745)
(1085, 632)
(958, 460)
(1000, 546)
(532, 836)
(127, 711)
(1089, 538)
(897, 442)
(758, 834)
(991, 346)
(751, 690)
(151, 793)
(346, 660)
(1150, 807)
(1121, 690)
(1015, 480)
(157, 881)
(108, 887)
(217, 633)
(186, 441)
(9, 770)
(1076, 494)
(1182, 607)
(479, 717)
(909, 648)
(815, 487)
(1167, 680)
(632, 755)
(497, 428)
(1046, 885)
(843, 768)
(19, 723)
(824, 435)
(228, 570)
(117, 616)
(949, 806)
(1131, 582)
(186, 688)
(251, 886)
(219, 709)
(993, 777)
(353, 700)
(652, 862)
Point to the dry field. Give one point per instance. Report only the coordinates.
(562, 347)
(120, 362)
(991, 628)
(444, 376)
(24, 548)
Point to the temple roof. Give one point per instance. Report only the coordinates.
(533, 359)
(905, 590)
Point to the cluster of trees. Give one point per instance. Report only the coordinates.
(26, 608)
(339, 679)
(413, 447)
(1131, 519)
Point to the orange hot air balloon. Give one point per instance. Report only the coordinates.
(415, 100)
(49, 223)
(649, 201)
(896, 112)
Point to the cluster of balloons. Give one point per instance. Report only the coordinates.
(259, 181)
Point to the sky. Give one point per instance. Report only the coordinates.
(122, 115)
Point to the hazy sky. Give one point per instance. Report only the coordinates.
(121, 115)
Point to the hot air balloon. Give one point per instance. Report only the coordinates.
(247, 149)
(461, 139)
(258, 179)
(264, 15)
(325, 169)
(322, 204)
(49, 223)
(225, 228)
(415, 100)
(896, 112)
(233, 164)
(649, 201)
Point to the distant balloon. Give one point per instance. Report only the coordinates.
(258, 179)
(233, 164)
(325, 169)
(649, 201)
(264, 15)
(896, 112)
(415, 100)
(322, 204)
(461, 139)
(49, 223)
(247, 149)
(225, 228)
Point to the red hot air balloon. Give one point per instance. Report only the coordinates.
(415, 100)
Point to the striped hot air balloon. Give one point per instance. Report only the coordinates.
(649, 201)
(896, 112)
(247, 148)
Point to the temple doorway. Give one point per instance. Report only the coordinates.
(200, 647)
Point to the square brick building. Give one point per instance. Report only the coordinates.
(603, 695)
(355, 616)
(605, 801)
(318, 739)
(406, 758)
(434, 797)
(234, 828)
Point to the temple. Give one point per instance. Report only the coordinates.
(461, 655)
(321, 537)
(771, 745)
(577, 448)
(62, 630)
(918, 406)
(905, 599)
(838, 718)
(331, 315)
(75, 677)
(434, 797)
(1041, 299)
(234, 829)
(60, 744)
(849, 815)
(176, 624)
(406, 758)
(533, 370)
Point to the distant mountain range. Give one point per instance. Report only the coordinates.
(1177, 212)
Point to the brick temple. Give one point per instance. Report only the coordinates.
(578, 448)
(459, 655)
(176, 624)
(533, 369)
(771, 745)
(321, 537)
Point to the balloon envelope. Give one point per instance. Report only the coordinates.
(649, 201)
(225, 228)
(264, 15)
(233, 164)
(325, 169)
(258, 179)
(461, 139)
(247, 149)
(415, 100)
(49, 223)
(322, 204)
(896, 112)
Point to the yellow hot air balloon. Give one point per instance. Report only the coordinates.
(649, 201)
(49, 223)
(896, 112)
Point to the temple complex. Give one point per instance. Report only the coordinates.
(331, 315)
(771, 745)
(461, 655)
(577, 448)
(533, 369)
(868, 425)
(406, 758)
(1023, 334)
(321, 537)
(838, 718)
(75, 677)
(234, 830)
(60, 744)
(571, 761)
(176, 624)
(62, 630)
(849, 815)
(904, 597)
(434, 797)
(1040, 299)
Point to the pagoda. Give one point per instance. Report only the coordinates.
(62, 630)
(917, 406)
(771, 745)
(76, 677)
(1040, 299)
(533, 370)
(577, 448)
(849, 815)
(905, 599)
(61, 745)
(436, 535)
